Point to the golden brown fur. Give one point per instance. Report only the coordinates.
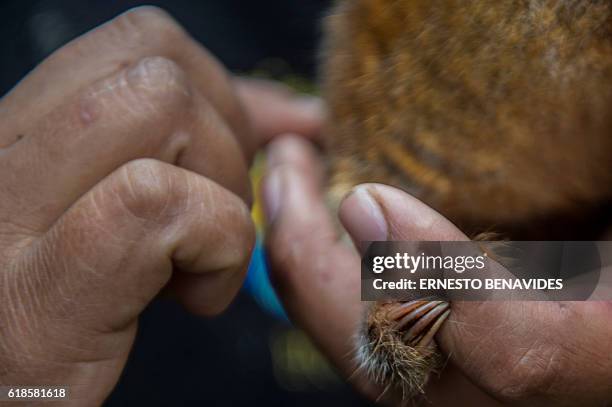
(498, 113)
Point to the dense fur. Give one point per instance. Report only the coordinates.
(498, 113)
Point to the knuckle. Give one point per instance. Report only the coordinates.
(151, 97)
(147, 190)
(159, 84)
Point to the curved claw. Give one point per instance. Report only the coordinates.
(419, 319)
(428, 337)
(403, 308)
(417, 313)
(422, 328)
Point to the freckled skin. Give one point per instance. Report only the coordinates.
(494, 112)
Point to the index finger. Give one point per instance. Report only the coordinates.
(275, 109)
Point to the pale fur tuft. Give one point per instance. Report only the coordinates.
(389, 362)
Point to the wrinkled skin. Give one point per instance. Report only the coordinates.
(124, 163)
(524, 353)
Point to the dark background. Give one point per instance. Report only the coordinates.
(246, 356)
(241, 33)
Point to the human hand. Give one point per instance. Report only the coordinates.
(124, 162)
(530, 353)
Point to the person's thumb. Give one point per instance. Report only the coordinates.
(517, 351)
(375, 212)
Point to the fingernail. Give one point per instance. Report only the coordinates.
(310, 106)
(273, 190)
(274, 155)
(363, 218)
(288, 149)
